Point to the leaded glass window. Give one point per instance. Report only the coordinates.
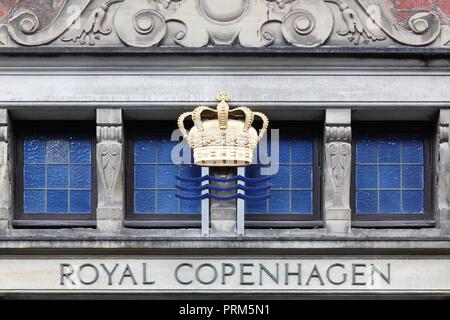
(292, 187)
(154, 176)
(57, 174)
(391, 173)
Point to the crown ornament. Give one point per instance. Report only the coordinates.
(223, 137)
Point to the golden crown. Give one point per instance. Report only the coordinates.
(220, 141)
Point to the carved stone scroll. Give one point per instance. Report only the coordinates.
(217, 23)
(309, 24)
(424, 27)
(337, 169)
(109, 164)
(24, 26)
(140, 24)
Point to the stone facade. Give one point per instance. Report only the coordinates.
(196, 24)
(111, 62)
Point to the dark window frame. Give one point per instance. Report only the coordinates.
(51, 220)
(314, 220)
(389, 220)
(153, 220)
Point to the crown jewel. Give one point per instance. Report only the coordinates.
(223, 137)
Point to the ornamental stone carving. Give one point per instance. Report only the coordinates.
(94, 25)
(356, 29)
(424, 27)
(24, 26)
(242, 23)
(337, 159)
(308, 24)
(109, 163)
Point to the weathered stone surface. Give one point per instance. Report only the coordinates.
(223, 213)
(110, 166)
(443, 170)
(109, 117)
(339, 274)
(337, 169)
(256, 24)
(5, 177)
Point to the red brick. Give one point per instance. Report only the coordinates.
(414, 4)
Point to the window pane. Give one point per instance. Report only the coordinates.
(34, 150)
(80, 201)
(155, 177)
(367, 151)
(389, 176)
(389, 173)
(34, 201)
(366, 177)
(144, 201)
(366, 201)
(57, 174)
(292, 186)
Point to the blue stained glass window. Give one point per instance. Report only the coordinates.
(57, 174)
(154, 177)
(292, 186)
(389, 173)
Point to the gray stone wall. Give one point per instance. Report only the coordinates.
(335, 92)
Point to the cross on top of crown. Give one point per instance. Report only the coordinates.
(223, 97)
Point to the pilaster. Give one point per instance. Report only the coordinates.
(110, 171)
(223, 213)
(443, 171)
(337, 170)
(5, 178)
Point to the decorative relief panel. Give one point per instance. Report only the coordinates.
(201, 23)
(337, 165)
(109, 164)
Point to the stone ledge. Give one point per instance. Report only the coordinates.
(228, 246)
